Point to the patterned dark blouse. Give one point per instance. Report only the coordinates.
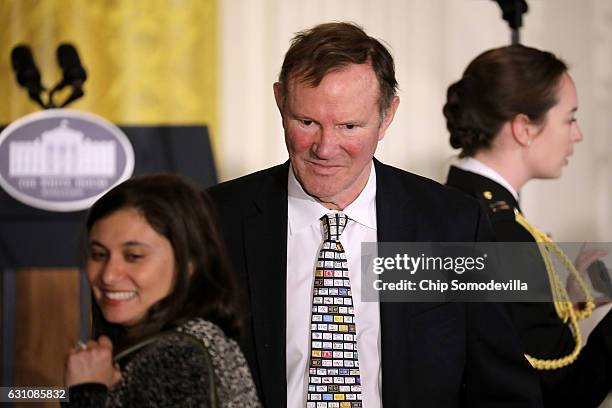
(172, 372)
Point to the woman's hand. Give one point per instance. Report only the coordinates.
(92, 363)
(584, 259)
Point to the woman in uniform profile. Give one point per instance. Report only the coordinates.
(512, 114)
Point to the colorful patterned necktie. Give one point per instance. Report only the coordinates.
(333, 373)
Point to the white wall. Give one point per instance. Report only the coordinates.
(578, 206)
(432, 42)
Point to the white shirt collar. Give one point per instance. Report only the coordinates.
(478, 167)
(304, 210)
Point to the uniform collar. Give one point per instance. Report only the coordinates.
(478, 167)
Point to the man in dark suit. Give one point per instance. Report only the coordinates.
(337, 96)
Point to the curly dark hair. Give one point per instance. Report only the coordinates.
(176, 209)
(332, 46)
(496, 86)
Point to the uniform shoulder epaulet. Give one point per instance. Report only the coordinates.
(497, 208)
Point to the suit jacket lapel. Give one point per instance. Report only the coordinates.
(397, 221)
(396, 209)
(266, 259)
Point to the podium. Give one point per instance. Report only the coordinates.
(34, 238)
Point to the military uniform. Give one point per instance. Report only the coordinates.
(585, 382)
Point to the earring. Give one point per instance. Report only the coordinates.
(529, 142)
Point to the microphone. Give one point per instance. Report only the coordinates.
(73, 72)
(512, 12)
(69, 61)
(28, 75)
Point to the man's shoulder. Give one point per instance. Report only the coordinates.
(428, 191)
(250, 184)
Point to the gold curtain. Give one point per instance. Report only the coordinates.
(148, 61)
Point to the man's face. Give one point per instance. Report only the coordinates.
(332, 131)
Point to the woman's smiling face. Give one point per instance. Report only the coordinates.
(130, 266)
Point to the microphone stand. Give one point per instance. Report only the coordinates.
(512, 12)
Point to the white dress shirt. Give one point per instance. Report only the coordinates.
(478, 167)
(304, 238)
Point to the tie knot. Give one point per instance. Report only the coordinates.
(333, 225)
